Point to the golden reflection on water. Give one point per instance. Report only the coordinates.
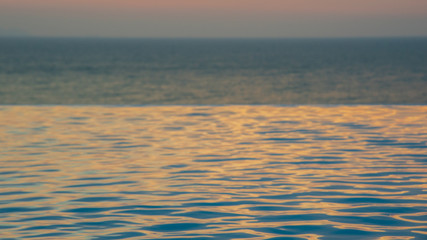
(223, 172)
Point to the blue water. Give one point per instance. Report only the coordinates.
(213, 138)
(213, 172)
(213, 71)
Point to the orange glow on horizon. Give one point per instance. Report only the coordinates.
(335, 7)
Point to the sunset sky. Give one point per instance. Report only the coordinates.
(219, 18)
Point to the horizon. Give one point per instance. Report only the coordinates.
(217, 38)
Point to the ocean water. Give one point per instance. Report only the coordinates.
(213, 172)
(209, 139)
(213, 71)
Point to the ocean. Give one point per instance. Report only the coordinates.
(209, 139)
(213, 71)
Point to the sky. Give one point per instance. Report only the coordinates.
(213, 19)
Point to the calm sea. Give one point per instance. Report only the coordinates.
(213, 172)
(213, 139)
(213, 71)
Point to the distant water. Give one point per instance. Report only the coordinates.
(209, 71)
(213, 172)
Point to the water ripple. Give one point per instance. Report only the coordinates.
(223, 172)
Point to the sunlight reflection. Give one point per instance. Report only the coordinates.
(248, 171)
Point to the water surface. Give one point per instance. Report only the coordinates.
(213, 71)
(213, 172)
